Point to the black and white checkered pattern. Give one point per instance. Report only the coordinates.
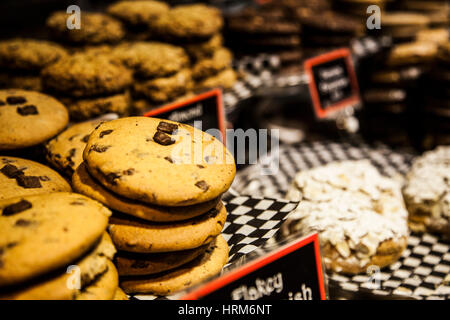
(423, 271)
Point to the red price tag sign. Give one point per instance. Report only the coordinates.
(332, 82)
(206, 107)
(291, 272)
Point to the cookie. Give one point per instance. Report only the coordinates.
(188, 22)
(54, 286)
(154, 161)
(95, 28)
(104, 288)
(327, 22)
(65, 151)
(358, 213)
(224, 79)
(164, 89)
(85, 184)
(25, 81)
(120, 295)
(220, 60)
(412, 53)
(427, 192)
(132, 264)
(204, 49)
(403, 25)
(137, 13)
(88, 108)
(44, 232)
(83, 74)
(142, 106)
(133, 235)
(260, 25)
(202, 268)
(28, 54)
(436, 35)
(151, 59)
(21, 177)
(28, 118)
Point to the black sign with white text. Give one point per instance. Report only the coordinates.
(292, 272)
(332, 82)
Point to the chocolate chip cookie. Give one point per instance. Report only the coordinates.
(137, 13)
(192, 21)
(164, 89)
(134, 235)
(95, 28)
(28, 118)
(105, 286)
(20, 177)
(205, 266)
(65, 151)
(28, 54)
(204, 49)
(85, 184)
(84, 74)
(41, 233)
(158, 161)
(224, 79)
(220, 60)
(151, 59)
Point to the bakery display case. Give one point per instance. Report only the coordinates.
(224, 150)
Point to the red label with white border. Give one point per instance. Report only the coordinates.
(291, 272)
(206, 107)
(332, 82)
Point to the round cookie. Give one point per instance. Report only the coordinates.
(131, 264)
(28, 54)
(159, 161)
(96, 28)
(84, 74)
(120, 295)
(188, 22)
(136, 13)
(141, 236)
(104, 288)
(84, 109)
(220, 60)
(204, 49)
(25, 81)
(65, 151)
(164, 89)
(359, 214)
(21, 177)
(42, 233)
(151, 59)
(28, 118)
(202, 268)
(427, 192)
(224, 79)
(83, 183)
(55, 287)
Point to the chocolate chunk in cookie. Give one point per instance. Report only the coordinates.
(11, 171)
(27, 110)
(163, 139)
(17, 207)
(16, 100)
(167, 127)
(28, 182)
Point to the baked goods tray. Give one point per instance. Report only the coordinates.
(423, 271)
(251, 222)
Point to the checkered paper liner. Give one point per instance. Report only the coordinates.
(250, 223)
(424, 268)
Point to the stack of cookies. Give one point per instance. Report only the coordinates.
(161, 72)
(437, 100)
(55, 246)
(197, 28)
(164, 181)
(266, 29)
(21, 61)
(89, 85)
